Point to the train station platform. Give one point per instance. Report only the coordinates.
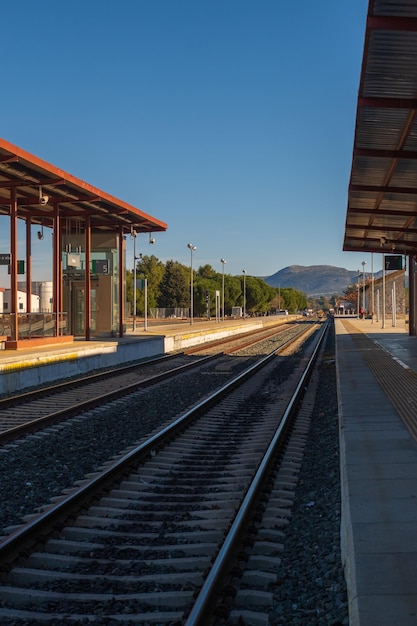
(29, 367)
(377, 388)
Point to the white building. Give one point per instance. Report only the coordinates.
(21, 302)
(43, 289)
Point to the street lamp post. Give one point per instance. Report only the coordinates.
(222, 261)
(358, 290)
(191, 248)
(363, 290)
(244, 294)
(133, 233)
(372, 288)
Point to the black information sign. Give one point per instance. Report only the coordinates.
(394, 262)
(4, 259)
(20, 268)
(100, 266)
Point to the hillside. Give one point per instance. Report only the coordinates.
(314, 280)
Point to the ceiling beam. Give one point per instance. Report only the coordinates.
(385, 229)
(4, 184)
(385, 22)
(383, 212)
(383, 189)
(387, 103)
(385, 154)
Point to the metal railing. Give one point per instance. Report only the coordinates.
(32, 325)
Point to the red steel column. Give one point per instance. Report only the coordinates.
(121, 283)
(412, 308)
(13, 265)
(87, 295)
(56, 269)
(28, 265)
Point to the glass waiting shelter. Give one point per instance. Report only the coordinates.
(88, 228)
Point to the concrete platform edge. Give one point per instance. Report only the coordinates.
(48, 367)
(346, 534)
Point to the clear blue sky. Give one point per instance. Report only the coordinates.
(230, 120)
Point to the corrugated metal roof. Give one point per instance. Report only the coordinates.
(74, 198)
(382, 197)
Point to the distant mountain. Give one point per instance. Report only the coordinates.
(314, 280)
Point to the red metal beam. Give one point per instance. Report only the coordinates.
(31, 183)
(383, 189)
(385, 154)
(56, 270)
(28, 266)
(387, 103)
(87, 290)
(13, 266)
(391, 229)
(29, 200)
(391, 22)
(382, 212)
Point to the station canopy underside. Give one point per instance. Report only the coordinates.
(75, 200)
(382, 195)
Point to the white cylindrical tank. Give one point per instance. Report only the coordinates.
(44, 290)
(45, 295)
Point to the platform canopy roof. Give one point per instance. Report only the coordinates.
(32, 178)
(382, 196)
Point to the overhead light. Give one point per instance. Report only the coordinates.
(43, 199)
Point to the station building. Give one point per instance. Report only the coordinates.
(89, 229)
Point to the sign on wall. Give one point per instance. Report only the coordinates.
(394, 262)
(20, 267)
(100, 266)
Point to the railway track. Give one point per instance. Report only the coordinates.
(229, 345)
(152, 538)
(27, 412)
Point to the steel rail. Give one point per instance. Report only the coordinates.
(51, 418)
(262, 333)
(9, 401)
(76, 382)
(206, 597)
(36, 530)
(33, 425)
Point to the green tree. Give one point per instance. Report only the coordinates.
(254, 294)
(323, 303)
(174, 288)
(151, 268)
(129, 290)
(259, 295)
(206, 271)
(201, 287)
(290, 299)
(351, 295)
(232, 292)
(294, 300)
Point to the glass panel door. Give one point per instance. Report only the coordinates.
(78, 309)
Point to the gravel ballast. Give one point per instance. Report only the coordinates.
(40, 467)
(312, 588)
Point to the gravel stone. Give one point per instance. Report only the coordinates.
(313, 589)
